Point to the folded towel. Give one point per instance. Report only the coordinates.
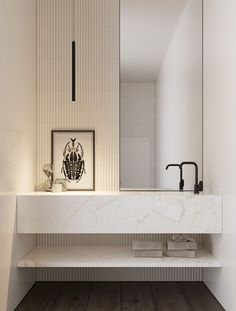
(147, 245)
(181, 253)
(148, 253)
(189, 245)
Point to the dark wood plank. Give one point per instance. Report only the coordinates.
(168, 297)
(130, 296)
(73, 296)
(42, 296)
(105, 296)
(199, 297)
(136, 296)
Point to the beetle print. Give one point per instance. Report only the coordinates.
(73, 165)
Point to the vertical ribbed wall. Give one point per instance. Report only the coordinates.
(109, 274)
(96, 32)
(120, 274)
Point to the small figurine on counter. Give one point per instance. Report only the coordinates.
(48, 171)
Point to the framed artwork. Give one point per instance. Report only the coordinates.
(73, 158)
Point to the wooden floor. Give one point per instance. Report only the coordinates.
(114, 296)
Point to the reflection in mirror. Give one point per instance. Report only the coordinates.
(160, 92)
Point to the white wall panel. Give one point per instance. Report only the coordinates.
(17, 139)
(17, 95)
(219, 139)
(14, 283)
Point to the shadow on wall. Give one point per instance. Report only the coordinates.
(15, 165)
(20, 280)
(14, 284)
(10, 160)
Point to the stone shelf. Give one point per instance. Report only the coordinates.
(110, 257)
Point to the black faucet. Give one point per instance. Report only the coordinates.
(181, 182)
(198, 186)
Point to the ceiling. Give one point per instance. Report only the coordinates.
(147, 27)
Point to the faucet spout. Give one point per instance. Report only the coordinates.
(169, 165)
(181, 182)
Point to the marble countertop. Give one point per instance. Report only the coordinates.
(119, 212)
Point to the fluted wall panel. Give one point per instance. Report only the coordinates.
(117, 240)
(120, 274)
(94, 25)
(109, 274)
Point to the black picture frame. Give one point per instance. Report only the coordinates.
(86, 139)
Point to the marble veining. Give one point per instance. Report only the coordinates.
(119, 213)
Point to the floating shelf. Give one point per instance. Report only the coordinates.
(108, 257)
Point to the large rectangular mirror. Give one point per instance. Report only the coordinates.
(160, 92)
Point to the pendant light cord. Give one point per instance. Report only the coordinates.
(73, 21)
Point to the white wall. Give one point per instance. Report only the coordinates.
(137, 117)
(17, 138)
(7, 212)
(14, 283)
(219, 138)
(17, 94)
(179, 100)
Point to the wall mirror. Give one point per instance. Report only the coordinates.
(160, 92)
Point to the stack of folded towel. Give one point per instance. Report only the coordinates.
(148, 248)
(181, 246)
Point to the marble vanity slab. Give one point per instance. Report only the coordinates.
(119, 212)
